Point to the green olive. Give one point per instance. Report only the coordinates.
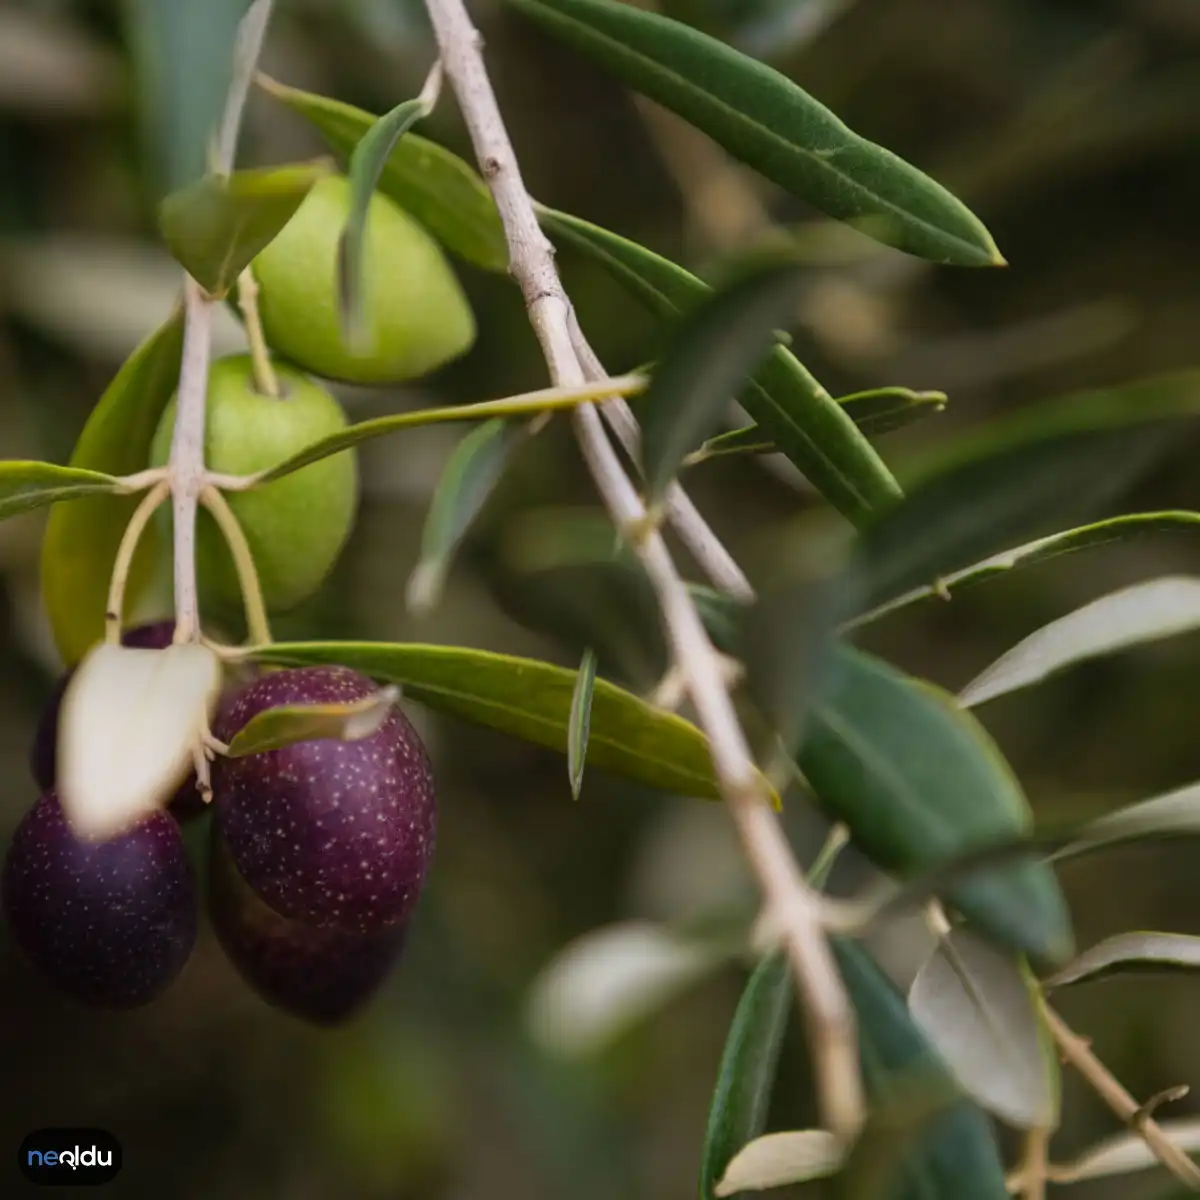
(414, 314)
(297, 525)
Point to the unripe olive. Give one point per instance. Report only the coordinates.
(296, 526)
(415, 316)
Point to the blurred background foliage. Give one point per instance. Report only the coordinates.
(1071, 126)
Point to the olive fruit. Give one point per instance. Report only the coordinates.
(43, 754)
(110, 923)
(329, 833)
(414, 314)
(323, 975)
(296, 526)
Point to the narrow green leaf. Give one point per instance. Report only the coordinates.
(956, 1154)
(979, 1007)
(26, 485)
(581, 720)
(918, 782)
(81, 540)
(718, 345)
(528, 404)
(1172, 814)
(1141, 952)
(434, 186)
(367, 162)
(285, 724)
(746, 1078)
(530, 700)
(467, 481)
(183, 55)
(875, 413)
(987, 489)
(1099, 533)
(783, 398)
(764, 119)
(1145, 612)
(217, 226)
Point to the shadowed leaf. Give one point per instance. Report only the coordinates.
(26, 485)
(581, 720)
(1141, 952)
(274, 728)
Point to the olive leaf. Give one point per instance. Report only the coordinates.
(81, 540)
(1084, 537)
(467, 481)
(430, 183)
(777, 1159)
(979, 1008)
(529, 699)
(746, 1077)
(788, 404)
(351, 721)
(546, 400)
(918, 783)
(581, 720)
(763, 118)
(1124, 1153)
(1137, 951)
(217, 226)
(716, 347)
(937, 1144)
(966, 500)
(1144, 612)
(367, 162)
(26, 485)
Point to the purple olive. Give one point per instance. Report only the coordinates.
(329, 833)
(320, 975)
(111, 923)
(43, 755)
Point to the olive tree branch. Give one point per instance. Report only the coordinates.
(186, 464)
(792, 907)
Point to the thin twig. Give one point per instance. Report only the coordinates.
(704, 545)
(1076, 1051)
(186, 465)
(792, 906)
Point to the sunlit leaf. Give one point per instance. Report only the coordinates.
(783, 398)
(777, 1159)
(434, 186)
(81, 539)
(1053, 463)
(767, 121)
(216, 227)
(945, 1153)
(1124, 1153)
(528, 699)
(1169, 815)
(717, 346)
(918, 782)
(746, 1078)
(1099, 533)
(978, 1007)
(1137, 951)
(1145, 612)
(467, 481)
(527, 404)
(581, 720)
(367, 162)
(285, 724)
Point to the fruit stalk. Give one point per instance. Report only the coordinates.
(115, 609)
(792, 906)
(186, 472)
(247, 298)
(257, 622)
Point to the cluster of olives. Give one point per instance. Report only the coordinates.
(317, 855)
(317, 851)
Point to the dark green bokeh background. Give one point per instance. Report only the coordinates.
(1072, 128)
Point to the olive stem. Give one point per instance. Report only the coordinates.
(185, 466)
(115, 608)
(243, 560)
(792, 907)
(265, 379)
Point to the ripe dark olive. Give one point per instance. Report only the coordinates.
(333, 834)
(320, 975)
(43, 754)
(110, 923)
